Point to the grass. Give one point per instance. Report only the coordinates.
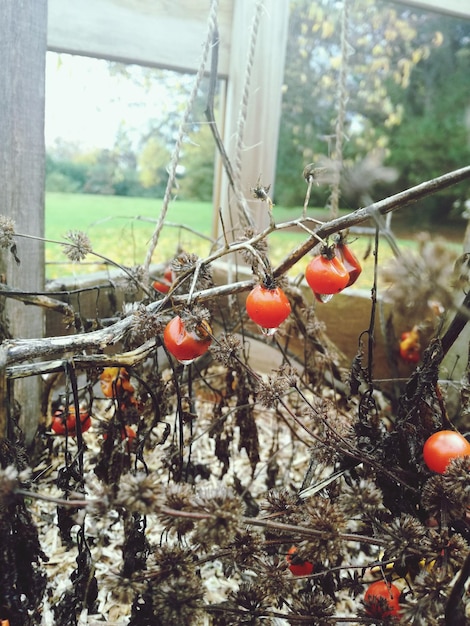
(118, 228)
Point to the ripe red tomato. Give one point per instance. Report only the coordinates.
(326, 275)
(267, 307)
(163, 285)
(410, 346)
(183, 345)
(443, 446)
(298, 566)
(66, 424)
(344, 253)
(382, 599)
(115, 382)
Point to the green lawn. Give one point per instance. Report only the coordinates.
(117, 229)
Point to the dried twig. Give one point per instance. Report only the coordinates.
(21, 350)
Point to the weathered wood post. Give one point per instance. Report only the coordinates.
(23, 36)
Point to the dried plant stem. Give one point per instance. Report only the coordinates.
(20, 350)
(104, 258)
(381, 207)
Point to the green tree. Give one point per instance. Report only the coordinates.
(383, 45)
(198, 162)
(153, 161)
(434, 136)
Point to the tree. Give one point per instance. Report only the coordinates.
(153, 161)
(198, 162)
(434, 133)
(384, 44)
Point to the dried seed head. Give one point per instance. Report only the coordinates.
(79, 246)
(146, 324)
(327, 517)
(174, 561)
(7, 230)
(437, 495)
(185, 262)
(456, 481)
(197, 320)
(122, 589)
(224, 511)
(100, 497)
(178, 497)
(245, 550)
(250, 601)
(178, 601)
(255, 251)
(225, 349)
(404, 533)
(316, 605)
(271, 390)
(363, 497)
(429, 598)
(140, 493)
(281, 502)
(133, 279)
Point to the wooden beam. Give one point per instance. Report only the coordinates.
(261, 131)
(23, 34)
(157, 33)
(457, 8)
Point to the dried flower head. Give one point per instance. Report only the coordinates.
(178, 601)
(225, 349)
(79, 246)
(178, 497)
(186, 262)
(363, 497)
(140, 493)
(446, 551)
(254, 251)
(224, 511)
(316, 605)
(133, 279)
(7, 230)
(281, 502)
(174, 561)
(403, 534)
(438, 494)
(328, 518)
(145, 324)
(271, 390)
(245, 550)
(100, 497)
(260, 192)
(196, 319)
(429, 598)
(249, 605)
(456, 481)
(121, 588)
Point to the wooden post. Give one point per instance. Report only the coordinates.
(264, 102)
(23, 37)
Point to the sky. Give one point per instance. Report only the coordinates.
(86, 104)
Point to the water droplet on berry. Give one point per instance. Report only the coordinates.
(269, 332)
(324, 297)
